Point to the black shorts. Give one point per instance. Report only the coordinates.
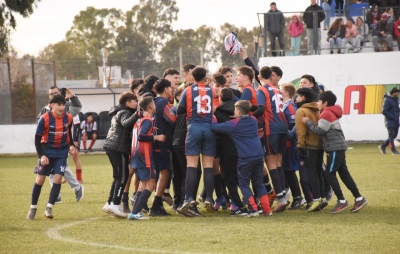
(275, 143)
(90, 134)
(162, 160)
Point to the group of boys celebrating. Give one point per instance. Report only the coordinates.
(162, 127)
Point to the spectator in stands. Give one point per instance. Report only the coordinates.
(351, 36)
(391, 112)
(327, 8)
(89, 131)
(375, 2)
(275, 26)
(338, 8)
(362, 31)
(308, 18)
(295, 30)
(383, 33)
(336, 34)
(373, 17)
(396, 29)
(347, 8)
(390, 15)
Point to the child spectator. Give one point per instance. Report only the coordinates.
(295, 30)
(244, 132)
(142, 158)
(334, 145)
(89, 131)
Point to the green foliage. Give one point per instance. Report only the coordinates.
(81, 227)
(22, 100)
(7, 19)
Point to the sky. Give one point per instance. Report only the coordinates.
(53, 18)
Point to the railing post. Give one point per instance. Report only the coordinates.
(33, 87)
(9, 82)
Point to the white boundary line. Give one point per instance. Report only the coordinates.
(55, 233)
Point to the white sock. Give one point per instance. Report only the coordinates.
(49, 205)
(359, 199)
(342, 201)
(166, 191)
(34, 206)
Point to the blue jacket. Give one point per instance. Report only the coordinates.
(391, 111)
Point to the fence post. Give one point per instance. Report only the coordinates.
(54, 74)
(34, 88)
(9, 82)
(265, 35)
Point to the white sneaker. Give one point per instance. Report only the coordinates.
(115, 210)
(105, 208)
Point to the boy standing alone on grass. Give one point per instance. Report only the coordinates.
(53, 141)
(334, 145)
(142, 157)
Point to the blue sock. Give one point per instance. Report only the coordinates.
(191, 180)
(55, 191)
(36, 193)
(142, 201)
(137, 196)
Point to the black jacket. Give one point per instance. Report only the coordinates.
(309, 13)
(119, 135)
(223, 113)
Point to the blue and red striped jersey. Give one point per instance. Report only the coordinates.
(249, 94)
(274, 119)
(142, 142)
(289, 109)
(197, 99)
(55, 134)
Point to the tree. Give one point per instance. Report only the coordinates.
(153, 19)
(7, 19)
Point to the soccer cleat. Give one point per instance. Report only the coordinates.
(195, 211)
(115, 210)
(125, 207)
(79, 193)
(219, 202)
(185, 206)
(138, 216)
(280, 207)
(133, 199)
(297, 203)
(253, 214)
(166, 197)
(315, 206)
(31, 214)
(340, 207)
(382, 149)
(271, 197)
(395, 152)
(85, 151)
(208, 205)
(90, 150)
(145, 209)
(48, 213)
(233, 207)
(358, 205)
(287, 195)
(105, 208)
(323, 203)
(266, 214)
(239, 212)
(308, 207)
(58, 200)
(329, 195)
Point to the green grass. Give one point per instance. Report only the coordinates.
(82, 226)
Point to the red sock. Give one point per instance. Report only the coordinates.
(92, 143)
(265, 204)
(252, 202)
(84, 144)
(79, 174)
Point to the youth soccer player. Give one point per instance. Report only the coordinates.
(89, 131)
(142, 158)
(53, 141)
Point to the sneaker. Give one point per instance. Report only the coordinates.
(280, 207)
(132, 199)
(308, 207)
(125, 207)
(58, 200)
(90, 150)
(145, 209)
(48, 213)
(239, 212)
(85, 151)
(194, 211)
(138, 216)
(166, 197)
(297, 204)
(287, 195)
(329, 195)
(395, 152)
(208, 205)
(382, 149)
(161, 212)
(219, 202)
(358, 205)
(186, 204)
(31, 214)
(79, 193)
(252, 215)
(266, 214)
(271, 197)
(323, 203)
(175, 206)
(105, 208)
(154, 212)
(233, 207)
(315, 206)
(340, 207)
(115, 210)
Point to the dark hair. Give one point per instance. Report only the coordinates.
(336, 25)
(224, 69)
(226, 94)
(145, 103)
(52, 87)
(150, 80)
(265, 72)
(199, 73)
(136, 83)
(243, 106)
(125, 97)
(329, 97)
(170, 71)
(219, 79)
(58, 99)
(308, 93)
(161, 84)
(310, 78)
(247, 71)
(188, 67)
(277, 71)
(272, 3)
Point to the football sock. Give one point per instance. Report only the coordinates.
(281, 177)
(125, 197)
(191, 180)
(276, 181)
(267, 184)
(36, 193)
(142, 201)
(55, 190)
(218, 185)
(79, 174)
(265, 204)
(84, 144)
(157, 202)
(92, 143)
(209, 182)
(137, 196)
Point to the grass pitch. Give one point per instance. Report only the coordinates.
(81, 227)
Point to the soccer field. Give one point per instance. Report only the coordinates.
(82, 227)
